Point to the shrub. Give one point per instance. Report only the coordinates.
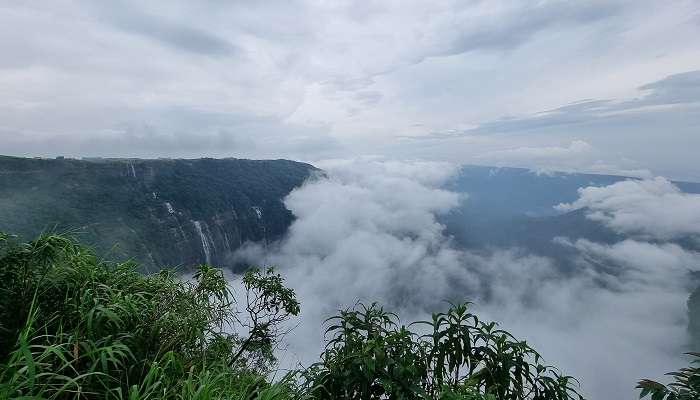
(370, 356)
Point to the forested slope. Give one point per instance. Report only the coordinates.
(160, 212)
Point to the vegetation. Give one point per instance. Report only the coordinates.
(371, 357)
(686, 381)
(76, 326)
(686, 384)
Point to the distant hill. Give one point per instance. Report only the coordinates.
(162, 212)
(508, 207)
(520, 191)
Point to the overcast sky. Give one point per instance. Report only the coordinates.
(602, 86)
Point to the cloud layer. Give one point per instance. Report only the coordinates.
(368, 232)
(653, 208)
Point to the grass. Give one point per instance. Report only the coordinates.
(75, 326)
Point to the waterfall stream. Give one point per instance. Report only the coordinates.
(205, 241)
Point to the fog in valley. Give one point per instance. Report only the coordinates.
(368, 231)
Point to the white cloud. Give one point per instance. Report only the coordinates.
(363, 228)
(653, 208)
(636, 262)
(368, 232)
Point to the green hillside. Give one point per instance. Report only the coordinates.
(160, 212)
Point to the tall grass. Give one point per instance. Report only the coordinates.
(73, 326)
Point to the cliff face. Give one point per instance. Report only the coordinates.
(162, 212)
(694, 319)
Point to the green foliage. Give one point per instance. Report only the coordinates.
(118, 206)
(268, 304)
(368, 357)
(686, 384)
(77, 327)
(371, 357)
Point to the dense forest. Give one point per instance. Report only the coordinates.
(164, 212)
(77, 326)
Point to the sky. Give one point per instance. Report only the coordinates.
(598, 86)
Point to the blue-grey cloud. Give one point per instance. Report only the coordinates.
(176, 34)
(528, 19)
(674, 90)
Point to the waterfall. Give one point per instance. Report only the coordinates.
(208, 234)
(226, 242)
(205, 241)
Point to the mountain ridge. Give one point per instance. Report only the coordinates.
(166, 212)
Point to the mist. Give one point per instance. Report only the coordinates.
(368, 231)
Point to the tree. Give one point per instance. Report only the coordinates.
(268, 304)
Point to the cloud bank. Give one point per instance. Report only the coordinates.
(368, 232)
(654, 208)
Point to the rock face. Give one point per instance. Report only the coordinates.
(694, 320)
(162, 212)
